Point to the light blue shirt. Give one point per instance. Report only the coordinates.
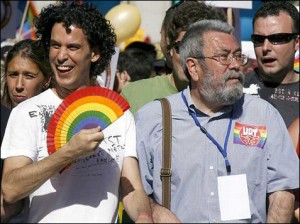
(270, 163)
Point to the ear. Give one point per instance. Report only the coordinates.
(171, 52)
(95, 55)
(125, 77)
(47, 83)
(194, 68)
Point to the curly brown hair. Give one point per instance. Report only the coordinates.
(98, 30)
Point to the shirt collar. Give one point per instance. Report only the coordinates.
(191, 105)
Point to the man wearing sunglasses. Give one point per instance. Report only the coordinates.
(276, 39)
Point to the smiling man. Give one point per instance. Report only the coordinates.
(276, 40)
(80, 42)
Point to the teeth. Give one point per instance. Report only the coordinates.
(64, 68)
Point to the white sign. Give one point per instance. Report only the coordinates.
(231, 4)
(248, 49)
(107, 78)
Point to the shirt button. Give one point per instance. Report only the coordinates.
(212, 193)
(211, 167)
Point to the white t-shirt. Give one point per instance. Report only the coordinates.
(88, 190)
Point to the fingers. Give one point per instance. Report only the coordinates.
(91, 130)
(85, 142)
(93, 134)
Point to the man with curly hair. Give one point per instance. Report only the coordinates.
(80, 42)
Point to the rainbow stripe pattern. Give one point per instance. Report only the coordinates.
(296, 62)
(250, 135)
(84, 109)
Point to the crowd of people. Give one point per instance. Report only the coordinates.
(234, 131)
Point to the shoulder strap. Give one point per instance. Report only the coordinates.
(165, 172)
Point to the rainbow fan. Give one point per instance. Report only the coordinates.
(84, 109)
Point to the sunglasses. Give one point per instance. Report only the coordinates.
(277, 38)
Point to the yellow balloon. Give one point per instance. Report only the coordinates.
(125, 19)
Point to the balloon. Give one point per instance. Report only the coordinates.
(125, 19)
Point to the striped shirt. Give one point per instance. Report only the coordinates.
(259, 146)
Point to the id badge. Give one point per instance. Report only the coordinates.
(233, 197)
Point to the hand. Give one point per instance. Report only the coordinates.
(9, 210)
(162, 215)
(84, 143)
(144, 218)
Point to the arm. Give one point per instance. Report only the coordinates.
(135, 200)
(144, 144)
(296, 213)
(281, 207)
(9, 210)
(294, 133)
(21, 176)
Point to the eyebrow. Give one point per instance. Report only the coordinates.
(23, 72)
(53, 41)
(68, 45)
(237, 49)
(233, 51)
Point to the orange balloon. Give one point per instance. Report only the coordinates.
(125, 19)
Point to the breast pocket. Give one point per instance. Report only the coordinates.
(251, 161)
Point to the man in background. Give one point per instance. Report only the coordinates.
(179, 17)
(276, 39)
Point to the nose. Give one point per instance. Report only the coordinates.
(19, 84)
(235, 64)
(266, 45)
(62, 55)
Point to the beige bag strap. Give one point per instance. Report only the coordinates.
(165, 172)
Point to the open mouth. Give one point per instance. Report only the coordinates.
(64, 69)
(268, 60)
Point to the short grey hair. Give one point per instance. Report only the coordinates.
(192, 44)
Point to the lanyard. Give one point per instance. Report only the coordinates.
(222, 150)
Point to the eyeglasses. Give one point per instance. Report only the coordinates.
(176, 46)
(277, 38)
(224, 59)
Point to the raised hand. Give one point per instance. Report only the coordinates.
(84, 143)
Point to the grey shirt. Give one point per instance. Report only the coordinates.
(266, 155)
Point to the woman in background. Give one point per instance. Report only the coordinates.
(26, 72)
